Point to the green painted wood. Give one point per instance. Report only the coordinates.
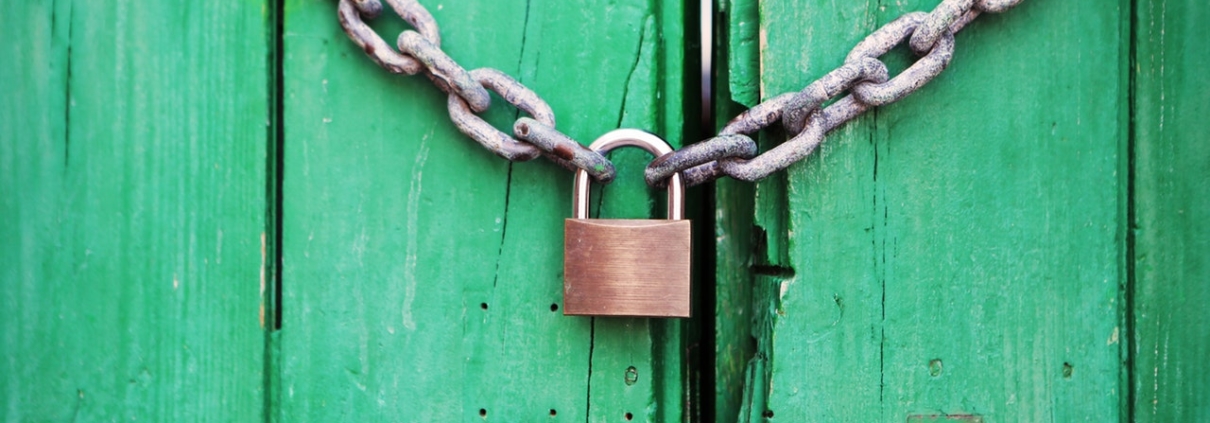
(422, 274)
(959, 252)
(960, 255)
(734, 246)
(1171, 175)
(742, 48)
(132, 154)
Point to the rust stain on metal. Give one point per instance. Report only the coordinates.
(551, 141)
(563, 151)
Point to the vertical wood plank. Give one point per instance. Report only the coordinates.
(737, 59)
(1171, 175)
(33, 126)
(132, 153)
(1004, 224)
(825, 282)
(422, 274)
(960, 251)
(637, 367)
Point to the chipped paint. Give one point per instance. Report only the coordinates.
(413, 247)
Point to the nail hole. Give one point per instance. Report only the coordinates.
(1067, 370)
(483, 306)
(768, 414)
(935, 367)
(553, 412)
(554, 307)
(632, 375)
(629, 416)
(482, 412)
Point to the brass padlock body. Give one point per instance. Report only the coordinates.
(626, 267)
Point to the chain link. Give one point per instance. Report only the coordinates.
(419, 51)
(863, 76)
(487, 135)
(733, 152)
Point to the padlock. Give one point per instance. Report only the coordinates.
(627, 267)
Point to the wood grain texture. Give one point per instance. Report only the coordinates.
(1171, 208)
(960, 251)
(422, 274)
(132, 167)
(735, 345)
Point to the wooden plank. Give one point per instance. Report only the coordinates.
(132, 154)
(1171, 254)
(737, 50)
(958, 252)
(422, 274)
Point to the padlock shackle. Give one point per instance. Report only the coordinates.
(628, 138)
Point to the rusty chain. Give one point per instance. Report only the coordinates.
(419, 51)
(733, 152)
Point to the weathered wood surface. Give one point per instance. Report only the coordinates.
(422, 274)
(1024, 239)
(958, 252)
(1171, 257)
(736, 40)
(132, 195)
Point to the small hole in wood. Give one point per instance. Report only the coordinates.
(483, 306)
(1068, 369)
(553, 412)
(768, 414)
(482, 412)
(629, 416)
(554, 307)
(632, 375)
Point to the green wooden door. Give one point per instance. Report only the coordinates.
(223, 211)
(132, 202)
(1010, 243)
(423, 271)
(957, 252)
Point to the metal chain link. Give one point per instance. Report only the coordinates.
(733, 152)
(419, 51)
